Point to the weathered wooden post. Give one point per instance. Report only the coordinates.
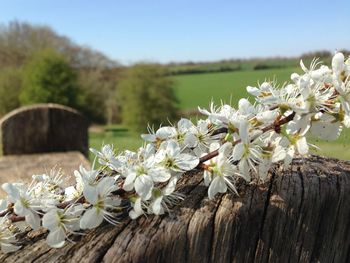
(301, 215)
(43, 128)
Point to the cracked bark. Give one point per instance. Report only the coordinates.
(301, 215)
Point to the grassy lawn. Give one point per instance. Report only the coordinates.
(118, 135)
(199, 89)
(338, 149)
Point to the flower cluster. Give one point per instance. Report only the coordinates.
(231, 144)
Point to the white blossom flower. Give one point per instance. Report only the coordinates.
(203, 137)
(84, 176)
(162, 134)
(246, 152)
(212, 114)
(169, 156)
(106, 157)
(184, 135)
(321, 74)
(313, 99)
(48, 188)
(224, 116)
(269, 95)
(99, 196)
(24, 204)
(272, 152)
(341, 81)
(295, 140)
(61, 223)
(137, 208)
(163, 198)
(340, 67)
(143, 176)
(221, 174)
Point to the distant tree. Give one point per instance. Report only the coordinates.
(317, 54)
(346, 52)
(95, 95)
(96, 73)
(48, 77)
(146, 96)
(10, 87)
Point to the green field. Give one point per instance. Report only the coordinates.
(199, 89)
(119, 136)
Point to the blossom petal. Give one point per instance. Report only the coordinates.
(90, 194)
(33, 220)
(157, 207)
(226, 149)
(129, 181)
(184, 124)
(326, 131)
(253, 90)
(218, 185)
(160, 175)
(207, 177)
(170, 187)
(137, 209)
(148, 137)
(278, 154)
(56, 238)
(244, 131)
(105, 186)
(190, 140)
(50, 219)
(92, 218)
(302, 146)
(238, 151)
(20, 209)
(144, 186)
(164, 133)
(187, 162)
(244, 170)
(12, 191)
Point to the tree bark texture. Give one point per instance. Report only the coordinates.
(302, 214)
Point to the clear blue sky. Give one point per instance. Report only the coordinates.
(163, 31)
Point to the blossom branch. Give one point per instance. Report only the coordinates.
(276, 126)
(318, 102)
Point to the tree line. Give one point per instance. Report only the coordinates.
(39, 66)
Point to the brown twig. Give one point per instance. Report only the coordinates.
(219, 131)
(274, 126)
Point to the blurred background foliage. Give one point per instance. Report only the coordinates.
(46, 67)
(147, 97)
(48, 77)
